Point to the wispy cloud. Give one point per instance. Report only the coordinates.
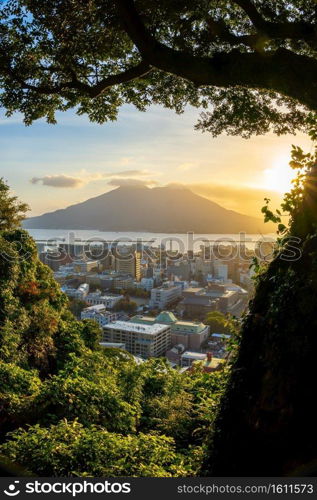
(58, 181)
(84, 177)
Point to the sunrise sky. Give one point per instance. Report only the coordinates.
(51, 167)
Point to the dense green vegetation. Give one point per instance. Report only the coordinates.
(217, 322)
(70, 407)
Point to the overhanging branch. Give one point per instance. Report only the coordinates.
(282, 71)
(280, 29)
(74, 83)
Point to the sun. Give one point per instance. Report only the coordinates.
(279, 176)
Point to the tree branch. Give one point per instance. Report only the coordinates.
(278, 30)
(282, 71)
(220, 30)
(253, 14)
(141, 69)
(92, 91)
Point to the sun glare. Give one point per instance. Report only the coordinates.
(279, 177)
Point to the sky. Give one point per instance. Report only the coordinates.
(54, 166)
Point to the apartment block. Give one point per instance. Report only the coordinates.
(99, 314)
(145, 341)
(164, 295)
(109, 300)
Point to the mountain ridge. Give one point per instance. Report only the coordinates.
(170, 209)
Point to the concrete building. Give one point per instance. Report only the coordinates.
(220, 270)
(130, 264)
(224, 297)
(196, 303)
(210, 363)
(99, 314)
(182, 270)
(164, 295)
(145, 341)
(77, 293)
(188, 358)
(122, 282)
(190, 334)
(85, 266)
(146, 284)
(207, 361)
(140, 340)
(174, 354)
(108, 301)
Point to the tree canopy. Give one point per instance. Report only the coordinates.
(12, 211)
(251, 63)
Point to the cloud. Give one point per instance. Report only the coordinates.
(58, 181)
(84, 177)
(132, 182)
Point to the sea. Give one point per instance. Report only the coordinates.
(180, 242)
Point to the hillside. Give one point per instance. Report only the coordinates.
(161, 209)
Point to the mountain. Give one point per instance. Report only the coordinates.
(170, 209)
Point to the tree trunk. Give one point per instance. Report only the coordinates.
(267, 422)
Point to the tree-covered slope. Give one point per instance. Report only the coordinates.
(68, 406)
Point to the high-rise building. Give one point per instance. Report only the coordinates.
(129, 264)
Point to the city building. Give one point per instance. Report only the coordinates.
(210, 363)
(108, 301)
(85, 266)
(164, 295)
(173, 355)
(191, 334)
(77, 293)
(218, 296)
(188, 358)
(207, 361)
(129, 264)
(145, 341)
(218, 344)
(146, 284)
(99, 314)
(196, 303)
(220, 270)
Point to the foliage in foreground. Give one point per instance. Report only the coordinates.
(268, 407)
(68, 406)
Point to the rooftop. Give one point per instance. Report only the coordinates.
(166, 317)
(136, 327)
(195, 290)
(213, 363)
(96, 308)
(200, 356)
